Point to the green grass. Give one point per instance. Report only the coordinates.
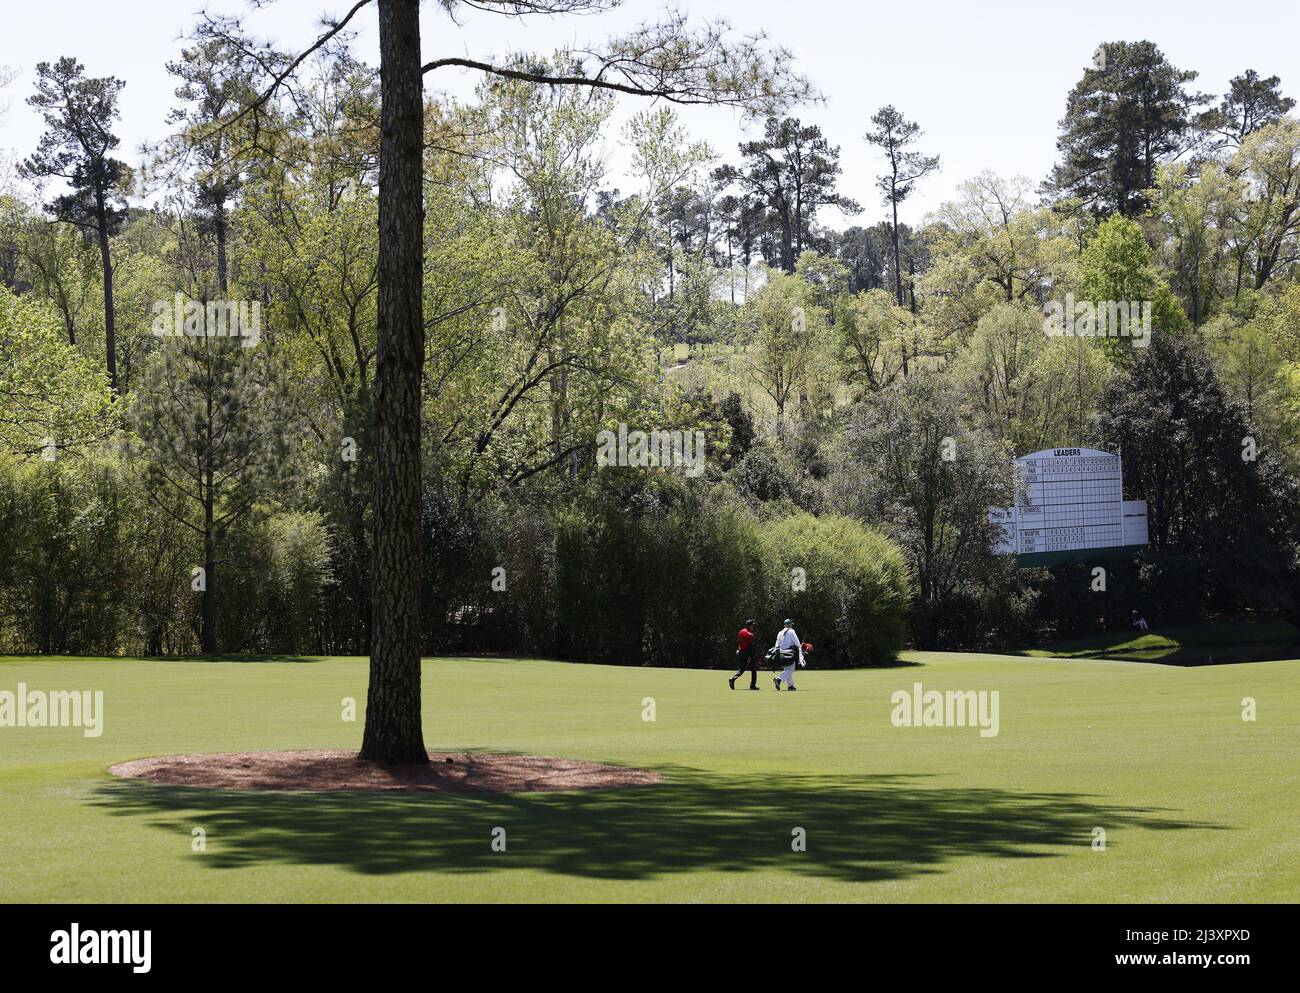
(1197, 804)
(1208, 643)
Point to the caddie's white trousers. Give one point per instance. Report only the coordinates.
(788, 674)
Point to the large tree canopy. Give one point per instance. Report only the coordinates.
(51, 396)
(1129, 112)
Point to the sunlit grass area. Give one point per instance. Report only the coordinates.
(1233, 640)
(1192, 802)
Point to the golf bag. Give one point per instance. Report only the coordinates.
(778, 658)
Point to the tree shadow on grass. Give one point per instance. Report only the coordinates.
(859, 828)
(895, 663)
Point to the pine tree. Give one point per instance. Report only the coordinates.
(77, 147)
(1129, 113)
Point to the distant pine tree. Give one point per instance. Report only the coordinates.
(76, 147)
(212, 426)
(1128, 113)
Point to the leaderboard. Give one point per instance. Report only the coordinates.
(1070, 499)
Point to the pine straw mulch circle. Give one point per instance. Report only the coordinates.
(331, 770)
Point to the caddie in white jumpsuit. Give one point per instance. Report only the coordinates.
(788, 641)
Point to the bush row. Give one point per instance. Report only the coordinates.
(93, 567)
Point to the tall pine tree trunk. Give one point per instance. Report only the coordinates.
(898, 267)
(898, 262)
(220, 224)
(209, 631)
(106, 258)
(393, 732)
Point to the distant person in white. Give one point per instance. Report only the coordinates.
(1139, 622)
(790, 647)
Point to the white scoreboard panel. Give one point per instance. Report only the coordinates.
(1069, 499)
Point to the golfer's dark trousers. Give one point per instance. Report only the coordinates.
(748, 660)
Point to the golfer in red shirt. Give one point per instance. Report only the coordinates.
(747, 654)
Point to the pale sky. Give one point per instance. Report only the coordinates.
(987, 81)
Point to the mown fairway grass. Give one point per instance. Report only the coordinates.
(1197, 804)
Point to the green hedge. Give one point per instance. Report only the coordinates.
(850, 598)
(671, 587)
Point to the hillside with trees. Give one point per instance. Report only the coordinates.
(164, 492)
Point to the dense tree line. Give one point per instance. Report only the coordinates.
(173, 493)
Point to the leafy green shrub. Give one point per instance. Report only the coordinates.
(672, 586)
(63, 588)
(272, 585)
(851, 597)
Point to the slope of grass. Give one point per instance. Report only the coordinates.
(1195, 803)
(1208, 643)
